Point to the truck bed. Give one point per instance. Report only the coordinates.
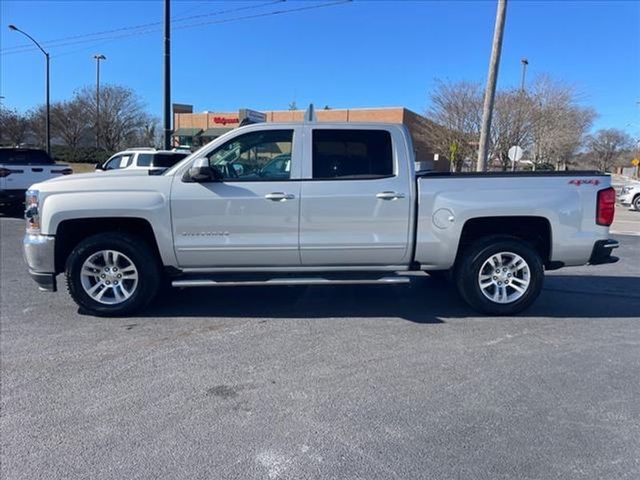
(562, 202)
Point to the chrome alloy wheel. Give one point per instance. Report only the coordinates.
(109, 277)
(504, 277)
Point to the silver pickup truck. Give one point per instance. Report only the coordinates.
(313, 203)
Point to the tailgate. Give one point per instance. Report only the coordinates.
(21, 177)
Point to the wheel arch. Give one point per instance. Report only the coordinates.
(533, 230)
(70, 233)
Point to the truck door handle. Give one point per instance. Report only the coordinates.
(389, 195)
(279, 196)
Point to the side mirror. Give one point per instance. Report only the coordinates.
(99, 166)
(202, 174)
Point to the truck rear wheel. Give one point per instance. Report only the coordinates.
(500, 275)
(112, 274)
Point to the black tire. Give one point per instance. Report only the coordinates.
(472, 260)
(636, 203)
(141, 255)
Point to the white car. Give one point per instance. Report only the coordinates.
(22, 167)
(630, 195)
(142, 159)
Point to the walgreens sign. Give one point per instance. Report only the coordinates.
(225, 120)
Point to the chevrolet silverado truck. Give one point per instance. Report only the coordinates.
(312, 203)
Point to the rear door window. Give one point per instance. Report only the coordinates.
(351, 154)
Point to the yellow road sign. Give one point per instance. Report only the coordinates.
(635, 162)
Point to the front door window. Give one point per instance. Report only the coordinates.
(255, 156)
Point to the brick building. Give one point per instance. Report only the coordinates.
(196, 129)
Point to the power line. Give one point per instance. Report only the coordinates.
(194, 25)
(59, 42)
(267, 14)
(199, 5)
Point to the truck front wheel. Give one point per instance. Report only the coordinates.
(112, 274)
(499, 275)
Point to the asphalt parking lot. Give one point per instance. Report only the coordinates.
(626, 222)
(358, 382)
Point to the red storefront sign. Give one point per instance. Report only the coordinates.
(225, 120)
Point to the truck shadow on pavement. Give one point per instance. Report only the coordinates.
(426, 301)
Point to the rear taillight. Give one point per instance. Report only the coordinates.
(64, 171)
(606, 206)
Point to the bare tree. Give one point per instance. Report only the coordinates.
(71, 122)
(607, 146)
(121, 114)
(14, 127)
(548, 122)
(572, 127)
(512, 123)
(37, 133)
(148, 135)
(456, 109)
(558, 124)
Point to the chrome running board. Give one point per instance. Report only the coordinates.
(227, 282)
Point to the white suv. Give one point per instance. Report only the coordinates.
(630, 195)
(142, 158)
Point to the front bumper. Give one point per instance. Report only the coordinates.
(601, 253)
(39, 253)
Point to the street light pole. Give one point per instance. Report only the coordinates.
(98, 58)
(167, 74)
(524, 62)
(46, 54)
(490, 92)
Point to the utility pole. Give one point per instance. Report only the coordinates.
(98, 58)
(46, 54)
(490, 92)
(524, 62)
(167, 74)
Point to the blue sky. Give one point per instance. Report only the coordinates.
(361, 54)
